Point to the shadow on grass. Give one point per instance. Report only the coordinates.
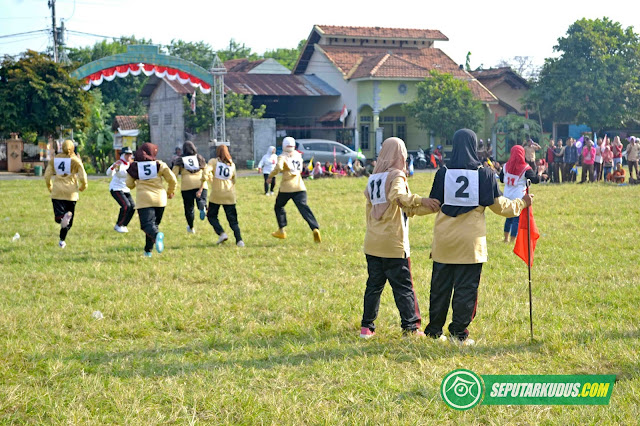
(287, 349)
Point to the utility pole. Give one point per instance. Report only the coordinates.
(52, 5)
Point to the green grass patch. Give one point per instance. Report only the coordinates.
(269, 334)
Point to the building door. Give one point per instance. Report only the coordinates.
(3, 155)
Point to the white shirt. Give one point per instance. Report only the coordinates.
(514, 186)
(119, 177)
(267, 163)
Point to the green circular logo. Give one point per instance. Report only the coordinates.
(462, 389)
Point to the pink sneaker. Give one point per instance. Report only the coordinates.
(365, 333)
(417, 332)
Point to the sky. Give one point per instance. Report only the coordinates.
(491, 31)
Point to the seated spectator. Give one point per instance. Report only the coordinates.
(358, 170)
(618, 175)
(317, 171)
(543, 173)
(371, 166)
(341, 170)
(328, 169)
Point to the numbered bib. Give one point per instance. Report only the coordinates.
(147, 170)
(62, 166)
(461, 188)
(514, 186)
(191, 163)
(222, 172)
(295, 165)
(376, 188)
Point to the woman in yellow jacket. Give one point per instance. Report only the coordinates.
(70, 178)
(191, 166)
(291, 188)
(464, 189)
(146, 172)
(390, 203)
(221, 173)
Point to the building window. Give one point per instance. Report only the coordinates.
(168, 119)
(401, 119)
(401, 131)
(155, 120)
(364, 136)
(365, 118)
(387, 119)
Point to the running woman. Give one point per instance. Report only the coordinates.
(291, 188)
(69, 177)
(386, 242)
(266, 165)
(221, 172)
(120, 191)
(191, 167)
(465, 189)
(146, 172)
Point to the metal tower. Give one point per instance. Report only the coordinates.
(217, 99)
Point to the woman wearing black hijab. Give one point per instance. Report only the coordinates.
(464, 189)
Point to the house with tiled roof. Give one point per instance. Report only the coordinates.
(507, 85)
(126, 130)
(376, 71)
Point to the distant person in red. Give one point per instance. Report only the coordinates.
(439, 156)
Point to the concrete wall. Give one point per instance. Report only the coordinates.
(166, 120)
(249, 139)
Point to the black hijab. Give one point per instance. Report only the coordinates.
(464, 156)
(188, 149)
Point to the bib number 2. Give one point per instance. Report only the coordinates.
(460, 193)
(461, 188)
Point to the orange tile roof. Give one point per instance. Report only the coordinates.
(127, 122)
(400, 63)
(380, 32)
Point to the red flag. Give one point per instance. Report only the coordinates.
(343, 113)
(521, 240)
(335, 166)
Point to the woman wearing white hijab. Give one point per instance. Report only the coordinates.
(386, 242)
(119, 190)
(265, 166)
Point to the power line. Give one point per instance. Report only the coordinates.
(26, 32)
(90, 34)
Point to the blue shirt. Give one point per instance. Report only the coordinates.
(570, 154)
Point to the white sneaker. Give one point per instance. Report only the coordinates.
(125, 229)
(271, 193)
(240, 243)
(121, 229)
(62, 244)
(268, 194)
(191, 230)
(465, 342)
(66, 219)
(223, 237)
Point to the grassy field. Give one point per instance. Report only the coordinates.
(269, 334)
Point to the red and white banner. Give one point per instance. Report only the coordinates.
(159, 71)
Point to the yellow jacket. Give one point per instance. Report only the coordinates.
(223, 188)
(66, 186)
(151, 192)
(291, 182)
(389, 236)
(463, 239)
(189, 180)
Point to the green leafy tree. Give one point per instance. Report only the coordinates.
(518, 128)
(445, 104)
(200, 53)
(96, 140)
(122, 93)
(235, 105)
(286, 57)
(595, 79)
(236, 51)
(38, 95)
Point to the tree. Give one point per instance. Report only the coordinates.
(38, 95)
(518, 128)
(123, 93)
(96, 140)
(286, 57)
(522, 65)
(235, 105)
(200, 53)
(595, 79)
(445, 104)
(237, 51)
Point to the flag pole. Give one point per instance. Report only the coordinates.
(529, 262)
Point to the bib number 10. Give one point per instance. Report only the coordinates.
(223, 172)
